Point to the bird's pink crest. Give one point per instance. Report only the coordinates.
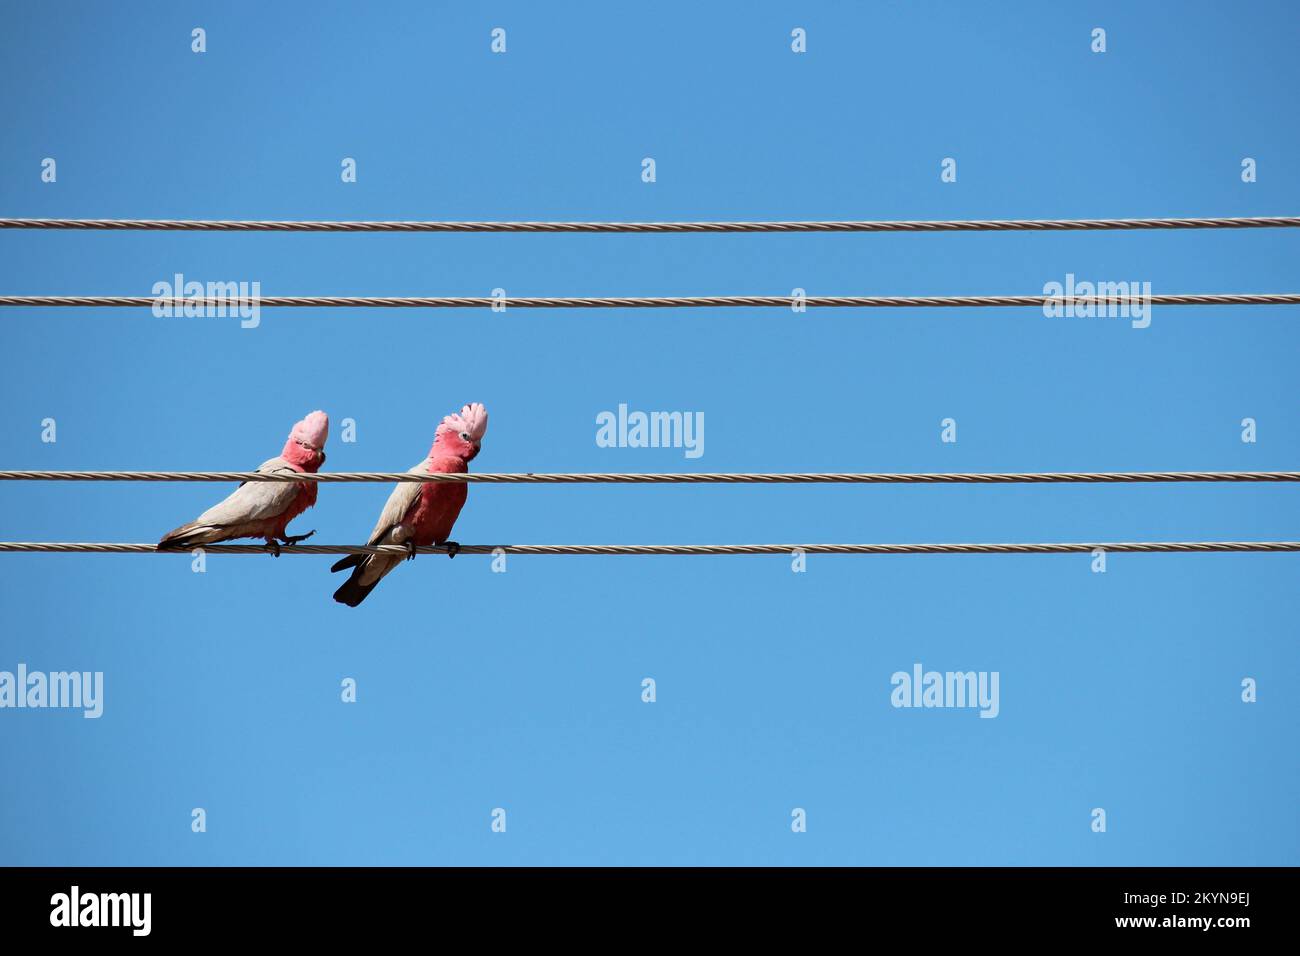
(472, 420)
(312, 431)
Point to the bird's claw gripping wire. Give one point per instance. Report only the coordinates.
(453, 549)
(273, 547)
(292, 539)
(410, 551)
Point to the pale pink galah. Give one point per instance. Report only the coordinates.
(263, 509)
(419, 514)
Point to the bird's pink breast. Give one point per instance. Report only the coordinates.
(438, 506)
(305, 498)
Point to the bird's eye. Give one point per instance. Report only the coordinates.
(464, 436)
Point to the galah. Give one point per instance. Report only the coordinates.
(263, 509)
(419, 514)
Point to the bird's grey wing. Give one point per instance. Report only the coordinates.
(399, 503)
(254, 500)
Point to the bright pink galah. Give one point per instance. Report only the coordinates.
(263, 509)
(419, 514)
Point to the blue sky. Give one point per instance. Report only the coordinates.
(523, 690)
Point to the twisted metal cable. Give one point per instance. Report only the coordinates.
(1132, 547)
(556, 478)
(905, 225)
(645, 302)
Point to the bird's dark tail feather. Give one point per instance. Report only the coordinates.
(351, 561)
(353, 592)
(181, 537)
